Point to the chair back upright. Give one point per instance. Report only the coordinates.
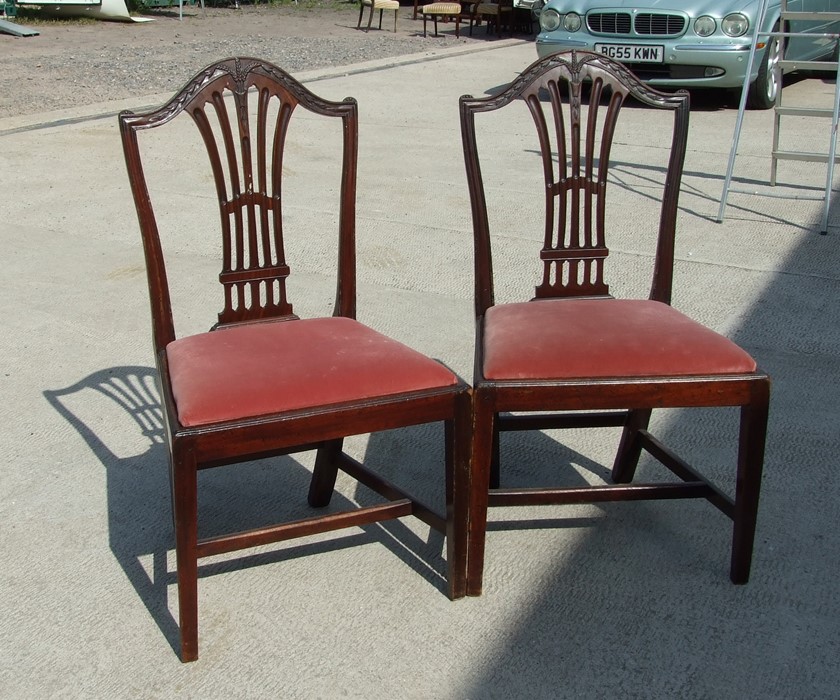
(575, 99)
(242, 108)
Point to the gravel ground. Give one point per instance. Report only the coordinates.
(77, 62)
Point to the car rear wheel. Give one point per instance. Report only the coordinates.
(763, 91)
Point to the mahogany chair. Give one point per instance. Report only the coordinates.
(574, 356)
(263, 382)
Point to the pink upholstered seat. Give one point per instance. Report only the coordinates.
(573, 338)
(266, 368)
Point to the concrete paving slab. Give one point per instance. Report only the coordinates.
(628, 600)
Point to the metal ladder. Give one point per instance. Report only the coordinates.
(777, 154)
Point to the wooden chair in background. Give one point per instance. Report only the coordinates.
(495, 14)
(442, 10)
(381, 5)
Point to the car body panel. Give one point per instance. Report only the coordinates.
(685, 59)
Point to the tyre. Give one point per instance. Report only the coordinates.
(763, 91)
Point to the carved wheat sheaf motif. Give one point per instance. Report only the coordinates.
(254, 268)
(574, 249)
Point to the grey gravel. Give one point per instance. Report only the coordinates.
(73, 63)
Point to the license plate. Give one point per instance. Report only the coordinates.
(632, 53)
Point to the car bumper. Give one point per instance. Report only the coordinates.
(685, 64)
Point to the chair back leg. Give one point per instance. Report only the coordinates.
(630, 447)
(324, 474)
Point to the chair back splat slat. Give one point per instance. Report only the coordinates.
(575, 171)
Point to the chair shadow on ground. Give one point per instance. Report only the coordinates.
(138, 499)
(106, 404)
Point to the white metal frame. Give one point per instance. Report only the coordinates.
(830, 158)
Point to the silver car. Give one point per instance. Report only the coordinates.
(688, 43)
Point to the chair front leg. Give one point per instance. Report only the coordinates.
(324, 473)
(481, 451)
(458, 495)
(630, 447)
(361, 12)
(370, 16)
(753, 435)
(185, 505)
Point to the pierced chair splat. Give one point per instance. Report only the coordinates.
(263, 382)
(574, 356)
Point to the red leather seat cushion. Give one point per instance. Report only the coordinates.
(267, 368)
(577, 338)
